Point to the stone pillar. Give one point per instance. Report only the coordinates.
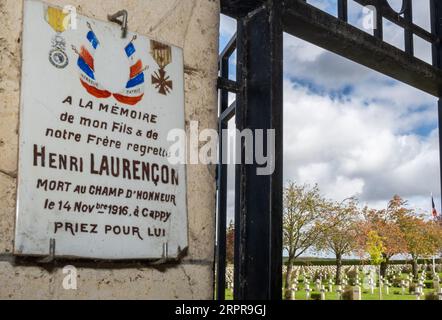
(189, 24)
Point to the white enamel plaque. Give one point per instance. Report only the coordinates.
(96, 110)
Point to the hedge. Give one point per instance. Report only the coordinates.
(350, 262)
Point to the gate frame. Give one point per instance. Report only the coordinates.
(259, 105)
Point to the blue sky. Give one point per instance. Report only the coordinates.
(352, 130)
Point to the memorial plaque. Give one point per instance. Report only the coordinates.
(96, 109)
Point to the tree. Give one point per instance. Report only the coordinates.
(375, 248)
(339, 232)
(424, 238)
(386, 223)
(303, 210)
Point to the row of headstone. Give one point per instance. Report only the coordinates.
(325, 275)
(326, 271)
(357, 295)
(357, 292)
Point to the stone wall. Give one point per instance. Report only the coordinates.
(190, 24)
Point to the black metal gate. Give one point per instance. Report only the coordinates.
(258, 105)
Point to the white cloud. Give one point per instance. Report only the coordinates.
(357, 131)
(227, 26)
(350, 148)
(421, 13)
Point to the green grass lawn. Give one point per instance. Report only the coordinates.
(301, 295)
(368, 296)
(229, 294)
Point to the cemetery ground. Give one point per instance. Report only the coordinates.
(366, 295)
(397, 285)
(377, 238)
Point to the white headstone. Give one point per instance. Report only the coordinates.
(322, 292)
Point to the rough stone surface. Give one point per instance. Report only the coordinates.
(7, 212)
(181, 282)
(190, 24)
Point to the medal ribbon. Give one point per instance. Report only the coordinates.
(56, 19)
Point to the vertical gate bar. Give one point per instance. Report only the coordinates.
(343, 10)
(439, 113)
(408, 16)
(224, 73)
(259, 270)
(276, 208)
(241, 101)
(436, 29)
(222, 218)
(222, 189)
(379, 27)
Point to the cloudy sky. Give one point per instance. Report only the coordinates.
(352, 130)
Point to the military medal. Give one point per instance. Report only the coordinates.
(162, 54)
(57, 55)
